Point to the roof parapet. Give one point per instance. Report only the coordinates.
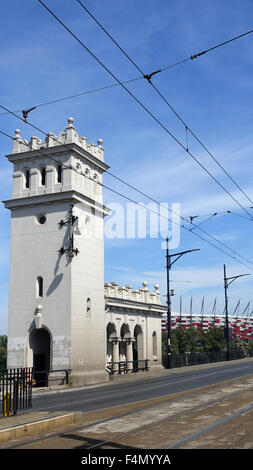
(68, 135)
(138, 295)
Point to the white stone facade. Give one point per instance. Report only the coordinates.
(57, 295)
(133, 324)
(54, 323)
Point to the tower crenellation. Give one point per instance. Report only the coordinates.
(138, 295)
(66, 136)
(57, 164)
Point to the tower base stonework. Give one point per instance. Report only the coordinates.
(88, 378)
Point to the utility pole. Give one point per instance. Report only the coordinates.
(227, 282)
(168, 267)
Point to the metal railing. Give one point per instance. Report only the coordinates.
(15, 390)
(125, 367)
(191, 359)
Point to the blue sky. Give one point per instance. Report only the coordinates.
(40, 62)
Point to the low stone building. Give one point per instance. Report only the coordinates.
(133, 326)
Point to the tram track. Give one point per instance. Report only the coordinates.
(180, 414)
(110, 420)
(209, 428)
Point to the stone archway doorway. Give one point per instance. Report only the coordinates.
(40, 345)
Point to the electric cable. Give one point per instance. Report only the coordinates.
(76, 95)
(211, 216)
(193, 56)
(133, 201)
(148, 77)
(127, 184)
(141, 104)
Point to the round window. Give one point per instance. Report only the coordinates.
(41, 219)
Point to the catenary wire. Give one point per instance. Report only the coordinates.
(131, 186)
(77, 95)
(134, 188)
(133, 201)
(194, 56)
(173, 212)
(143, 106)
(165, 100)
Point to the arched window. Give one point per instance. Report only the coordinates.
(27, 179)
(154, 338)
(43, 176)
(59, 174)
(95, 184)
(88, 307)
(39, 286)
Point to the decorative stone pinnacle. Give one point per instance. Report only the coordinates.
(70, 122)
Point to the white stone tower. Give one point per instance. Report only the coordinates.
(56, 291)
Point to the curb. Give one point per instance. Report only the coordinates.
(120, 379)
(39, 426)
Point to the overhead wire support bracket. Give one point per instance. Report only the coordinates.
(150, 75)
(70, 221)
(26, 112)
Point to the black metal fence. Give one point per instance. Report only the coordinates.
(125, 367)
(189, 359)
(15, 390)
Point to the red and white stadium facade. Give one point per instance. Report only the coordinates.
(242, 326)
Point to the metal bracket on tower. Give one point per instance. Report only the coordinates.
(70, 221)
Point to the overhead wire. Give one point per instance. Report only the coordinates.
(173, 212)
(130, 93)
(77, 95)
(193, 56)
(131, 186)
(148, 77)
(131, 200)
(127, 184)
(142, 105)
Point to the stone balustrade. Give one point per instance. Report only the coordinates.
(138, 295)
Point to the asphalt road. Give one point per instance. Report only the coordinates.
(95, 398)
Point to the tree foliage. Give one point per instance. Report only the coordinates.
(212, 340)
(192, 340)
(3, 351)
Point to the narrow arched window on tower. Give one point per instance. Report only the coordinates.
(39, 286)
(27, 179)
(88, 307)
(43, 176)
(59, 174)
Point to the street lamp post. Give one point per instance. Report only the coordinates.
(227, 282)
(168, 266)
